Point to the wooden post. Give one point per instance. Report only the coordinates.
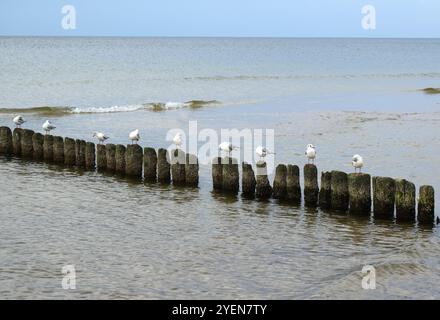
(38, 146)
(6, 146)
(339, 188)
(27, 148)
(230, 175)
(280, 182)
(384, 196)
(263, 189)
(217, 173)
(178, 160)
(101, 158)
(134, 160)
(192, 170)
(163, 166)
(405, 200)
(325, 193)
(16, 141)
(48, 148)
(69, 152)
(359, 190)
(425, 211)
(120, 159)
(110, 156)
(150, 164)
(293, 184)
(90, 156)
(311, 189)
(80, 153)
(248, 182)
(58, 149)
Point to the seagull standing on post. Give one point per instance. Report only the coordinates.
(262, 152)
(100, 136)
(177, 140)
(227, 147)
(48, 126)
(310, 153)
(18, 120)
(134, 136)
(357, 162)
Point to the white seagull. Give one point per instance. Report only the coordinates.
(227, 147)
(357, 162)
(177, 140)
(310, 153)
(18, 120)
(48, 126)
(100, 136)
(134, 136)
(262, 152)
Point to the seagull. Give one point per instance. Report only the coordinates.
(18, 120)
(357, 162)
(47, 126)
(177, 140)
(227, 147)
(134, 136)
(262, 152)
(310, 153)
(100, 136)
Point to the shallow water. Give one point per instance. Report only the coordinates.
(133, 240)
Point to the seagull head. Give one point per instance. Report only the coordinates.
(310, 146)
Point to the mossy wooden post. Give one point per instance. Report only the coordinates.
(217, 173)
(69, 152)
(192, 170)
(80, 153)
(48, 148)
(101, 158)
(133, 161)
(384, 197)
(38, 146)
(359, 193)
(339, 191)
(16, 141)
(248, 182)
(325, 192)
(120, 159)
(263, 187)
(6, 147)
(405, 200)
(110, 156)
(178, 160)
(58, 149)
(150, 164)
(27, 147)
(293, 185)
(425, 210)
(280, 182)
(90, 161)
(230, 175)
(163, 166)
(311, 189)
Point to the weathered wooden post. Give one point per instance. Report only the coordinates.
(90, 156)
(80, 153)
(230, 175)
(280, 182)
(192, 170)
(311, 189)
(217, 173)
(133, 161)
(359, 191)
(263, 188)
(48, 148)
(163, 166)
(178, 160)
(69, 152)
(248, 182)
(27, 148)
(110, 156)
(384, 195)
(58, 149)
(120, 159)
(293, 184)
(405, 200)
(38, 146)
(339, 188)
(425, 211)
(150, 164)
(101, 158)
(16, 141)
(6, 146)
(325, 193)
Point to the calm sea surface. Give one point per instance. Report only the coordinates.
(133, 240)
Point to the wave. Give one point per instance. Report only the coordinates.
(151, 106)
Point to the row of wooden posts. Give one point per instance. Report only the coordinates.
(339, 191)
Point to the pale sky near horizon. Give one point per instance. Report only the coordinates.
(222, 18)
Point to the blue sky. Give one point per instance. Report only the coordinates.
(238, 18)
